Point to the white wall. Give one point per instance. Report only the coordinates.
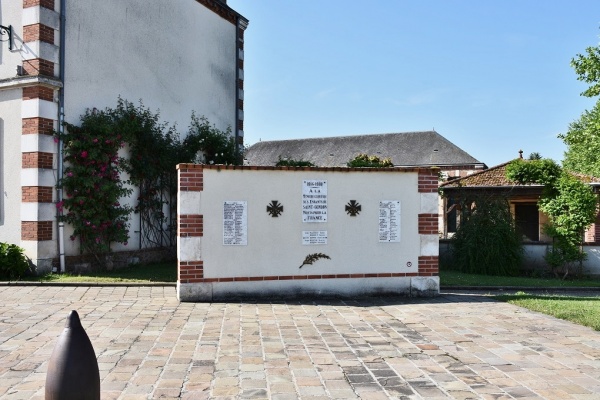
(11, 14)
(275, 244)
(10, 166)
(176, 56)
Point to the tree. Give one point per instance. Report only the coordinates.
(583, 137)
(583, 143)
(487, 242)
(569, 203)
(535, 156)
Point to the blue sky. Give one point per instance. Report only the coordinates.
(492, 77)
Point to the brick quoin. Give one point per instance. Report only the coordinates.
(190, 225)
(428, 224)
(38, 66)
(191, 179)
(42, 126)
(190, 271)
(428, 180)
(37, 159)
(39, 32)
(36, 194)
(36, 230)
(49, 4)
(429, 266)
(38, 92)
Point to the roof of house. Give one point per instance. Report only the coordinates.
(495, 177)
(427, 148)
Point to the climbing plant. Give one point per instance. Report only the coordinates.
(92, 183)
(94, 180)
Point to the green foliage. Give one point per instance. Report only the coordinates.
(587, 68)
(154, 151)
(583, 143)
(92, 183)
(583, 137)
(569, 203)
(94, 171)
(543, 171)
(13, 263)
(218, 147)
(535, 156)
(365, 161)
(486, 242)
(293, 163)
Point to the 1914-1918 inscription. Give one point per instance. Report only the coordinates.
(314, 201)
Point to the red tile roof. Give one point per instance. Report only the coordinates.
(496, 177)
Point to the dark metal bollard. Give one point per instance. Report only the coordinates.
(73, 369)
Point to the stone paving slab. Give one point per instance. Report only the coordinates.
(150, 346)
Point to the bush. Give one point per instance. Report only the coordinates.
(366, 161)
(293, 163)
(486, 242)
(13, 263)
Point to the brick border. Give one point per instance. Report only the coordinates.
(33, 229)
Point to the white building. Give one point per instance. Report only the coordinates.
(70, 55)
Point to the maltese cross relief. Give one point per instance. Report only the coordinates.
(275, 209)
(353, 208)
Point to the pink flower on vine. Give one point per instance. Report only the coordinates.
(125, 243)
(95, 140)
(69, 174)
(72, 237)
(88, 223)
(60, 205)
(97, 240)
(84, 154)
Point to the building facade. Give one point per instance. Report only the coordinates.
(61, 57)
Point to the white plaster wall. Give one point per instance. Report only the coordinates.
(10, 166)
(275, 244)
(176, 56)
(11, 14)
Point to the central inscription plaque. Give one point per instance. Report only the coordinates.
(314, 201)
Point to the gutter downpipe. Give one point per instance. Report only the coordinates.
(61, 129)
(236, 134)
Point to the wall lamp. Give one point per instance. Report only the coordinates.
(7, 30)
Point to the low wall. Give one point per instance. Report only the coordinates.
(282, 232)
(534, 257)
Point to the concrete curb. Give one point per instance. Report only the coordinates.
(91, 284)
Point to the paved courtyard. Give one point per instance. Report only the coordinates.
(150, 346)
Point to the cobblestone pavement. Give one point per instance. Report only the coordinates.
(460, 346)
